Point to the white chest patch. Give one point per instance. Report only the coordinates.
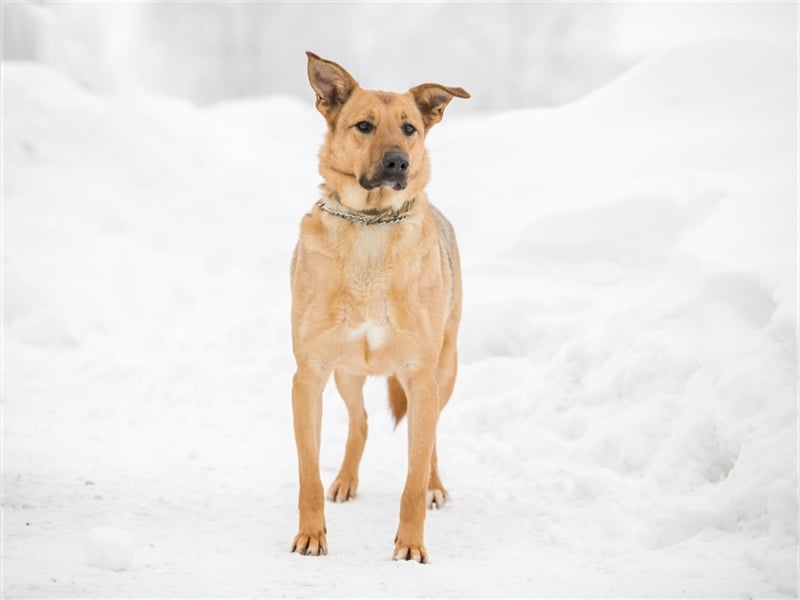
(375, 334)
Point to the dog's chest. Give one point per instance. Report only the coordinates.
(368, 305)
(373, 333)
(367, 334)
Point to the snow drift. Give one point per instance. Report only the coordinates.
(625, 422)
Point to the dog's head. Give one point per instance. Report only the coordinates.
(374, 153)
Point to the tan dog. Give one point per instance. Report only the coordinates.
(376, 290)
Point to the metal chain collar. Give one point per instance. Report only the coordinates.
(384, 217)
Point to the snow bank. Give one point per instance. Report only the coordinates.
(636, 311)
(625, 421)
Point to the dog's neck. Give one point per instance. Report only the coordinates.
(356, 198)
(333, 205)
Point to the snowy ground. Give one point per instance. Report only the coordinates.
(625, 422)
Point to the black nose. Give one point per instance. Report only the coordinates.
(395, 163)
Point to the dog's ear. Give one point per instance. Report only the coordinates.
(332, 84)
(432, 98)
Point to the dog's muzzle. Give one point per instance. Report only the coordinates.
(393, 172)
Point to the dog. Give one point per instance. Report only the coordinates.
(376, 290)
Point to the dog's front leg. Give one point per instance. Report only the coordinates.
(422, 392)
(307, 408)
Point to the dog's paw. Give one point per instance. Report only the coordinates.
(310, 544)
(436, 498)
(342, 489)
(415, 552)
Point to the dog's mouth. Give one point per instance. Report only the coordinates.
(395, 182)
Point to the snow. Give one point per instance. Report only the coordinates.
(109, 548)
(625, 418)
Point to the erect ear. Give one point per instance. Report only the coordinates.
(332, 84)
(431, 99)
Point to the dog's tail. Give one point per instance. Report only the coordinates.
(397, 400)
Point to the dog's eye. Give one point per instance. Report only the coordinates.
(365, 126)
(409, 129)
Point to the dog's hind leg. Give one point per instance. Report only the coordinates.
(437, 495)
(346, 483)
